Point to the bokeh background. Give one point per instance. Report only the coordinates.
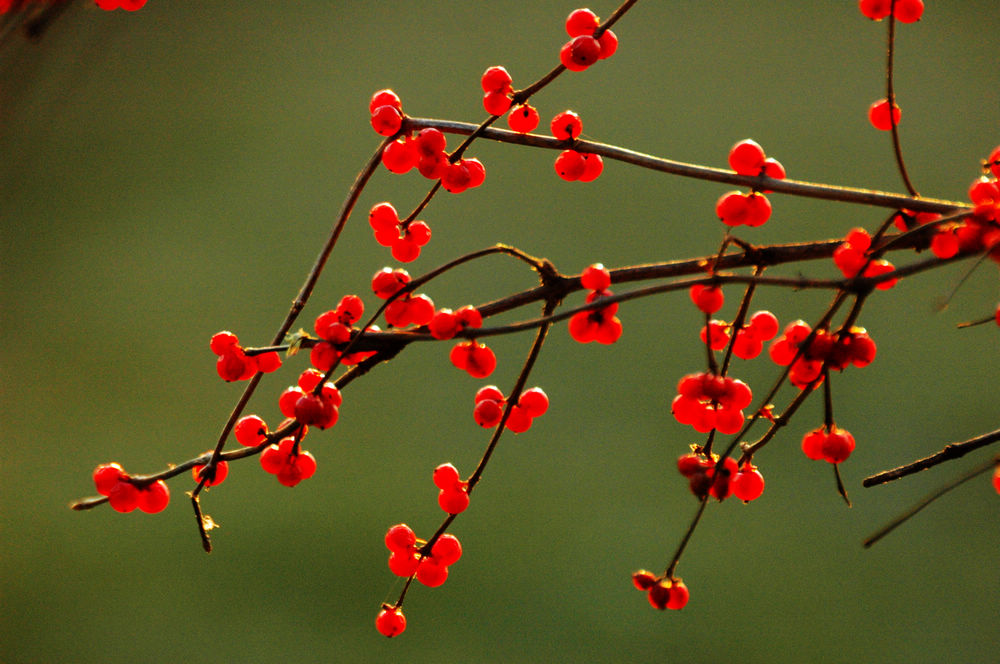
(172, 172)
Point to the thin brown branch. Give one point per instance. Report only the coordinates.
(949, 452)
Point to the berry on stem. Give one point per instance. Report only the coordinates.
(390, 621)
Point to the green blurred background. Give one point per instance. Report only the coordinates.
(172, 172)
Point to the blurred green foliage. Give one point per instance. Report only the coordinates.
(171, 172)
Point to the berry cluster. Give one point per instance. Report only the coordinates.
(335, 328)
(407, 558)
(584, 49)
(234, 363)
(453, 496)
(425, 152)
(905, 11)
(706, 401)
(572, 165)
(663, 592)
(123, 496)
(749, 342)
(829, 443)
(286, 461)
(496, 83)
(409, 309)
(853, 257)
(808, 352)
(406, 240)
(736, 208)
(708, 299)
(600, 325)
(744, 482)
(310, 403)
(490, 403)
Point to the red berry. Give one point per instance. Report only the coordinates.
(566, 126)
(748, 484)
(534, 401)
(154, 497)
(385, 98)
(593, 166)
(400, 538)
(456, 178)
(908, 11)
(708, 299)
(250, 431)
(430, 141)
(487, 413)
(222, 342)
(643, 579)
(387, 282)
(106, 476)
(879, 115)
(496, 79)
(447, 550)
(390, 621)
(763, 325)
(608, 42)
(446, 477)
(580, 52)
(747, 157)
(596, 277)
(123, 497)
(431, 573)
(581, 22)
(221, 472)
(679, 595)
(453, 501)
(716, 334)
(570, 165)
(386, 120)
(838, 445)
(400, 156)
(812, 444)
(523, 118)
(496, 103)
(475, 358)
(876, 10)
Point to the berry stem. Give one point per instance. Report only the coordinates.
(982, 468)
(949, 452)
(760, 183)
(669, 573)
(891, 96)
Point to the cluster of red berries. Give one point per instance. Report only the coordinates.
(311, 406)
(749, 342)
(853, 258)
(600, 325)
(406, 240)
(737, 208)
(706, 401)
(453, 494)
(490, 403)
(745, 482)
(663, 593)
(572, 165)
(407, 310)
(123, 496)
(904, 11)
(234, 363)
(406, 558)
(287, 461)
(836, 350)
(425, 151)
(496, 83)
(335, 327)
(583, 49)
(831, 444)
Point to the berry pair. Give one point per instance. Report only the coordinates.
(708, 299)
(600, 325)
(453, 496)
(407, 559)
(831, 444)
(405, 240)
(490, 403)
(663, 593)
(747, 158)
(234, 363)
(496, 84)
(583, 49)
(905, 11)
(706, 401)
(445, 323)
(123, 496)
(474, 358)
(745, 482)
